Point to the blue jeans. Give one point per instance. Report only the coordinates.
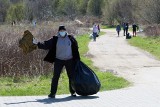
(94, 36)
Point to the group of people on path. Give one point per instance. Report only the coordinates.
(125, 29)
(125, 26)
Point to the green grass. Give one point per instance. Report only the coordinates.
(150, 44)
(40, 85)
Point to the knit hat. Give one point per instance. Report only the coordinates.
(61, 28)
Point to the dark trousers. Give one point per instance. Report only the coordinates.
(94, 36)
(134, 32)
(118, 32)
(58, 65)
(124, 32)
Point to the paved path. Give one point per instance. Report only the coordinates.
(123, 59)
(114, 54)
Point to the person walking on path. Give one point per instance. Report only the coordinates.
(124, 28)
(95, 31)
(63, 51)
(134, 28)
(118, 29)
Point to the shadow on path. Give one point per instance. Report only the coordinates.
(56, 100)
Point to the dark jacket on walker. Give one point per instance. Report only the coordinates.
(51, 46)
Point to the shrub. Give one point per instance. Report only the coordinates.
(153, 30)
(13, 62)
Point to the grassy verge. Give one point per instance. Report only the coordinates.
(150, 44)
(41, 85)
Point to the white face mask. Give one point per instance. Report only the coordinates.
(62, 34)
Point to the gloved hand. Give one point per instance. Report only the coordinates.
(35, 41)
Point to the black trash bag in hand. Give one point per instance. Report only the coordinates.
(85, 80)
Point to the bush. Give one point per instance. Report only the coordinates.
(13, 62)
(153, 30)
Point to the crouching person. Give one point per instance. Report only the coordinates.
(128, 36)
(63, 51)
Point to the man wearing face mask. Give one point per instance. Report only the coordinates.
(63, 51)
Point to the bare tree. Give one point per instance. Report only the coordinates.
(150, 11)
(119, 11)
(4, 5)
(108, 12)
(39, 9)
(124, 10)
(94, 7)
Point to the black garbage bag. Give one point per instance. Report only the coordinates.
(128, 36)
(85, 80)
